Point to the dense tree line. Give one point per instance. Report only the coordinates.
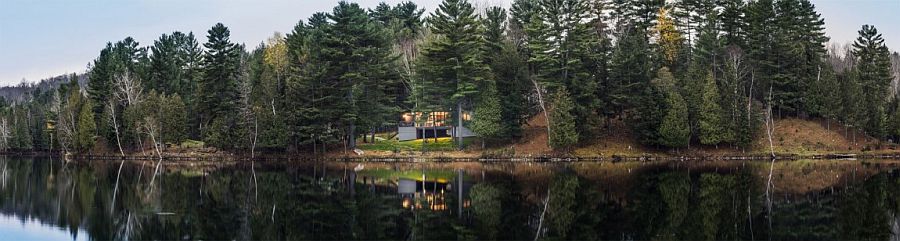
(677, 72)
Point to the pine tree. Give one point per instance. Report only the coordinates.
(165, 64)
(521, 13)
(760, 18)
(378, 82)
(873, 66)
(509, 72)
(562, 122)
(494, 23)
(733, 23)
(691, 15)
(561, 45)
(708, 45)
(174, 63)
(629, 71)
(649, 107)
(218, 89)
(309, 95)
(798, 49)
(852, 99)
(450, 67)
(639, 14)
(100, 78)
(711, 124)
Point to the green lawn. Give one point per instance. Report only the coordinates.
(442, 144)
(431, 175)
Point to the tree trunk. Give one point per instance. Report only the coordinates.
(434, 127)
(543, 213)
(459, 125)
(351, 138)
(537, 89)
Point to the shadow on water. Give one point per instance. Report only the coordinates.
(811, 200)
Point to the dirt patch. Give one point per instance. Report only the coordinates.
(799, 136)
(534, 138)
(805, 176)
(617, 140)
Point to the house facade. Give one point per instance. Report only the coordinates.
(418, 125)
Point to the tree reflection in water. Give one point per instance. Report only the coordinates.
(313, 202)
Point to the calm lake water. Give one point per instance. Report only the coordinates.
(43, 199)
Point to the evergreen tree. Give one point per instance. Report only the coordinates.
(173, 119)
(760, 18)
(692, 14)
(521, 13)
(356, 39)
(629, 70)
(450, 66)
(487, 209)
(639, 14)
(309, 95)
(852, 99)
(711, 124)
(488, 121)
(218, 89)
(674, 130)
(494, 23)
(735, 100)
(563, 133)
(708, 45)
(123, 57)
(103, 71)
(165, 66)
(798, 47)
(174, 63)
(561, 47)
(510, 72)
(873, 66)
(85, 128)
(733, 24)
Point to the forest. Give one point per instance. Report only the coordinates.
(679, 73)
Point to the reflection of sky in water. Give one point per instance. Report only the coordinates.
(13, 228)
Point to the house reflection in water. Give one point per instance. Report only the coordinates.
(433, 193)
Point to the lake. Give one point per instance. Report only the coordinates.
(44, 199)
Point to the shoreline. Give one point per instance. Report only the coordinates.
(454, 157)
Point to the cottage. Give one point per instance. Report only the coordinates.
(418, 125)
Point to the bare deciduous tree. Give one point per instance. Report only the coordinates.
(113, 120)
(128, 89)
(4, 135)
(248, 115)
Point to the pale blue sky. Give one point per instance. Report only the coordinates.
(44, 38)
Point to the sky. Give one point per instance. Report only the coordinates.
(46, 38)
(17, 228)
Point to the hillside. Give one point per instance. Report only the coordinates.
(18, 92)
(791, 136)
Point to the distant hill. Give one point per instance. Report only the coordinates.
(18, 92)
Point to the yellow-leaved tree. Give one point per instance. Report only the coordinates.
(668, 36)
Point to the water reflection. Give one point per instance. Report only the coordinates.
(821, 200)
